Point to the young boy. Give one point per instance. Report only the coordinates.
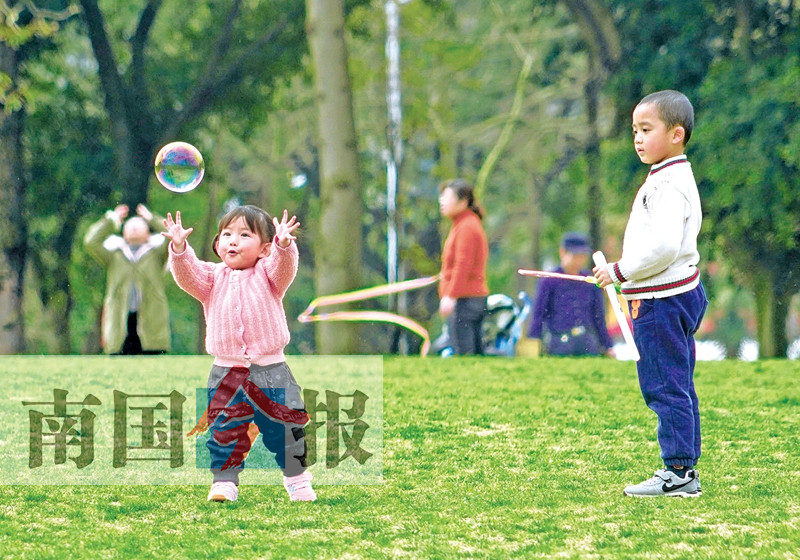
(659, 277)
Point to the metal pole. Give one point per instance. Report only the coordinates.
(394, 155)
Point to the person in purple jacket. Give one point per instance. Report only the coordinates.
(569, 316)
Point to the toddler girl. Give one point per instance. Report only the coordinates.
(246, 332)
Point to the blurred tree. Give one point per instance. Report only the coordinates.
(13, 231)
(338, 245)
(68, 178)
(201, 59)
(22, 25)
(602, 36)
(739, 64)
(167, 73)
(749, 146)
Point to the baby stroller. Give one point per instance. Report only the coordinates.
(502, 326)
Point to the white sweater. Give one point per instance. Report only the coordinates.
(659, 250)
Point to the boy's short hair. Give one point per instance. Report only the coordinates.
(259, 221)
(674, 108)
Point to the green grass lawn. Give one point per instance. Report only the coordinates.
(481, 458)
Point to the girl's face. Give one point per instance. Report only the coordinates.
(450, 205)
(652, 140)
(239, 247)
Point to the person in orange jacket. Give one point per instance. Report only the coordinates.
(462, 284)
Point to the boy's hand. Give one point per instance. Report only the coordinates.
(175, 232)
(285, 228)
(603, 277)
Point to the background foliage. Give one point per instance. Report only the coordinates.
(461, 63)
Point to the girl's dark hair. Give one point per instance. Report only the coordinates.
(258, 220)
(464, 191)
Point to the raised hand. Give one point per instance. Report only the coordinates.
(142, 210)
(121, 211)
(175, 232)
(285, 229)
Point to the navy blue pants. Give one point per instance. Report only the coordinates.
(663, 330)
(242, 404)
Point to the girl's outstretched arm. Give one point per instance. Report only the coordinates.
(284, 230)
(281, 264)
(175, 232)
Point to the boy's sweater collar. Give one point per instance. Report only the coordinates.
(667, 162)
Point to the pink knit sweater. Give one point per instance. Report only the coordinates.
(245, 319)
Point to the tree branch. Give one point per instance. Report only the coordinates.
(505, 135)
(597, 27)
(522, 212)
(138, 43)
(110, 79)
(204, 87)
(36, 12)
(224, 42)
(211, 87)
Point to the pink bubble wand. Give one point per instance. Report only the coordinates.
(544, 274)
(599, 260)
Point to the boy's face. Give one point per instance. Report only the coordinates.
(239, 247)
(652, 140)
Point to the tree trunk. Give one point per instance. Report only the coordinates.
(772, 310)
(742, 40)
(133, 136)
(13, 227)
(597, 28)
(536, 220)
(338, 240)
(594, 198)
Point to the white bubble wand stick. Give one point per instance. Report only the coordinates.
(600, 260)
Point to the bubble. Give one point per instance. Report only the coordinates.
(179, 167)
(299, 181)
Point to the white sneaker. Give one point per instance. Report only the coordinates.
(667, 483)
(225, 491)
(299, 487)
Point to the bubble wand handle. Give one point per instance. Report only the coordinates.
(600, 260)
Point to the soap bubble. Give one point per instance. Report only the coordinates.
(179, 167)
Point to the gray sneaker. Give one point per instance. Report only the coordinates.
(667, 483)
